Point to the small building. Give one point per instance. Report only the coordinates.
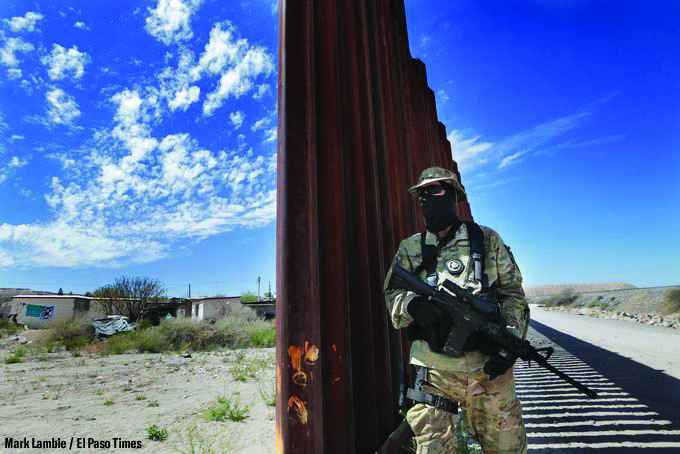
(213, 308)
(175, 307)
(36, 311)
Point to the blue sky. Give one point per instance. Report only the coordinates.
(138, 138)
(565, 119)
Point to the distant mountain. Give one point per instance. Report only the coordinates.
(546, 290)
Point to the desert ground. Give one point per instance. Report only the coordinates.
(121, 396)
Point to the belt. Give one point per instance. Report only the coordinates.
(439, 402)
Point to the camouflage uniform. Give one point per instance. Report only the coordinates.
(493, 413)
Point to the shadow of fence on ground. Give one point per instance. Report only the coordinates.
(653, 387)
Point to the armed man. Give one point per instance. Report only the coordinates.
(479, 378)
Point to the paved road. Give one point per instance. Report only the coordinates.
(638, 408)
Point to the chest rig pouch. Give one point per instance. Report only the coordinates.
(430, 253)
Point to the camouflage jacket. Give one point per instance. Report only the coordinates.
(504, 278)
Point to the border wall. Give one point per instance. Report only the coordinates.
(357, 124)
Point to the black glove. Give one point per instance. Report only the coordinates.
(433, 325)
(497, 365)
(480, 343)
(424, 313)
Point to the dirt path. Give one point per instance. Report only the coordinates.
(652, 346)
(107, 397)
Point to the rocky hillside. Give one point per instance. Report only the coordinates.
(654, 306)
(547, 290)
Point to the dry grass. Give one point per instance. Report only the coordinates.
(671, 304)
(564, 298)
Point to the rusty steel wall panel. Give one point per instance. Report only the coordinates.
(357, 123)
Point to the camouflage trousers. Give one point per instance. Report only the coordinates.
(493, 414)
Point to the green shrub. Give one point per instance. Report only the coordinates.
(73, 334)
(671, 303)
(8, 328)
(248, 297)
(240, 328)
(108, 402)
(564, 298)
(261, 334)
(226, 408)
(120, 343)
(143, 324)
(150, 340)
(156, 433)
(17, 356)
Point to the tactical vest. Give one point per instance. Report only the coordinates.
(430, 253)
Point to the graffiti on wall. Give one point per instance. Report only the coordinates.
(40, 311)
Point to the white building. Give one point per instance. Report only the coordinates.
(36, 311)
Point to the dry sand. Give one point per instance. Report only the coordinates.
(57, 395)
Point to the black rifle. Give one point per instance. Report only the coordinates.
(472, 314)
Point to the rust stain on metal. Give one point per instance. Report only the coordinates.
(311, 353)
(299, 375)
(300, 408)
(295, 354)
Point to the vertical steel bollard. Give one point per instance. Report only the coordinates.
(357, 123)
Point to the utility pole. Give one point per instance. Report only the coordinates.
(189, 291)
(258, 288)
(271, 297)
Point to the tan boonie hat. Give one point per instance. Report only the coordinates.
(432, 174)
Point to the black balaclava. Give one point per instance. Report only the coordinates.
(440, 211)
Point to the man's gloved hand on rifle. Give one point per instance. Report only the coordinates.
(434, 324)
(498, 364)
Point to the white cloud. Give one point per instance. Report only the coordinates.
(442, 96)
(271, 135)
(62, 108)
(16, 162)
(5, 260)
(223, 49)
(81, 25)
(8, 53)
(132, 114)
(227, 56)
(115, 208)
(26, 23)
(184, 98)
(170, 21)
(62, 62)
(14, 73)
(16, 138)
(238, 62)
(64, 244)
(237, 118)
(511, 159)
(472, 152)
(468, 151)
(176, 83)
(261, 124)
